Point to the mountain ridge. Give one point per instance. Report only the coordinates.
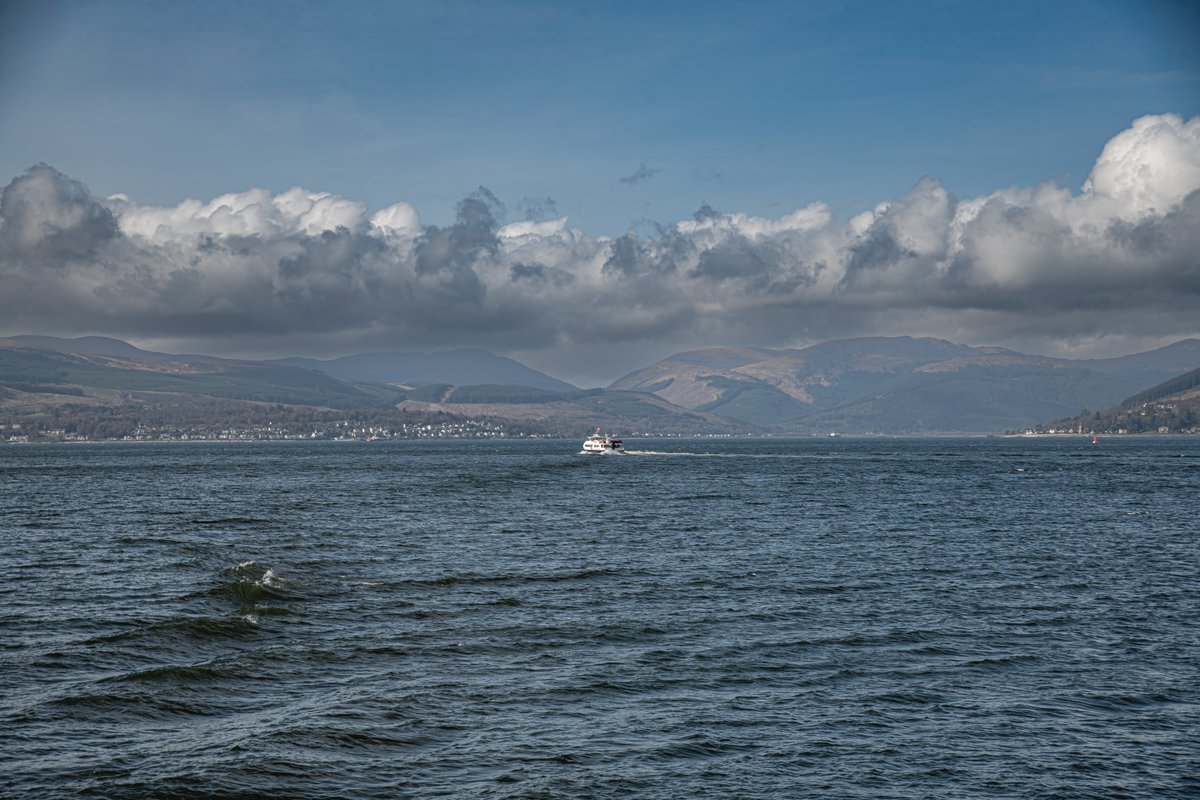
(900, 384)
(113, 379)
(869, 384)
(463, 366)
(1172, 406)
(468, 365)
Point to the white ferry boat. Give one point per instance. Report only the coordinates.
(599, 443)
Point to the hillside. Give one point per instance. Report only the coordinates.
(455, 367)
(883, 385)
(108, 385)
(1170, 407)
(899, 385)
(571, 413)
(1152, 367)
(32, 377)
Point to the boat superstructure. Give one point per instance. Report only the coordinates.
(599, 443)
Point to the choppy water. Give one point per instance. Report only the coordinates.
(767, 619)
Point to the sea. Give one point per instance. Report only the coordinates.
(700, 618)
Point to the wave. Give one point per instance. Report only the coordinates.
(475, 579)
(247, 586)
(146, 704)
(206, 672)
(815, 456)
(700, 746)
(1120, 702)
(323, 737)
(186, 627)
(993, 663)
(916, 697)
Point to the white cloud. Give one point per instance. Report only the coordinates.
(1150, 167)
(301, 267)
(251, 213)
(518, 230)
(400, 218)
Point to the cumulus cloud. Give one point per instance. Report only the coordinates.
(50, 220)
(1038, 267)
(1150, 167)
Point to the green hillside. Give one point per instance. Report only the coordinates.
(1172, 406)
(45, 372)
(1179, 385)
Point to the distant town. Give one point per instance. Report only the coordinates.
(341, 430)
(242, 422)
(1143, 418)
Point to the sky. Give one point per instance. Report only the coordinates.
(591, 187)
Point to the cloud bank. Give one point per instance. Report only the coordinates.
(642, 174)
(1116, 264)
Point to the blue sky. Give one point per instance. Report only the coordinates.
(756, 107)
(1024, 174)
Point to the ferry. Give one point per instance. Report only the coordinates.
(599, 443)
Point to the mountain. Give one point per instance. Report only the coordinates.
(1185, 387)
(99, 346)
(107, 372)
(570, 413)
(42, 376)
(456, 367)
(85, 345)
(899, 384)
(1151, 367)
(1172, 406)
(885, 385)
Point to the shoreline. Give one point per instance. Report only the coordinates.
(849, 436)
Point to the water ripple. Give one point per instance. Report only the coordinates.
(810, 618)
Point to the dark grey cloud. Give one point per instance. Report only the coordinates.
(540, 274)
(538, 209)
(642, 174)
(446, 257)
(629, 256)
(709, 173)
(50, 219)
(877, 249)
(738, 258)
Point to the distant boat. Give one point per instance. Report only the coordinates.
(599, 443)
(1094, 439)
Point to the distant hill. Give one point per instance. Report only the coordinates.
(884, 385)
(1152, 367)
(87, 345)
(455, 367)
(107, 371)
(899, 385)
(1172, 406)
(99, 346)
(571, 413)
(41, 374)
(1182, 387)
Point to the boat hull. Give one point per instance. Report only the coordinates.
(599, 443)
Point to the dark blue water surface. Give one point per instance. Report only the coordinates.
(701, 619)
